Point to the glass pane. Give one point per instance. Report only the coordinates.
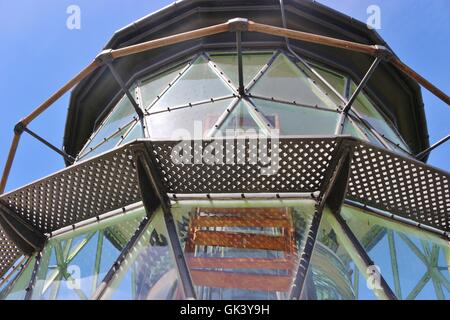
(333, 273)
(73, 265)
(135, 133)
(252, 63)
(296, 120)
(368, 111)
(193, 122)
(243, 250)
(107, 145)
(198, 83)
(154, 87)
(121, 115)
(239, 120)
(336, 80)
(285, 81)
(16, 289)
(149, 272)
(409, 259)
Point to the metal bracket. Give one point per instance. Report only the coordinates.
(384, 53)
(238, 24)
(105, 56)
(26, 237)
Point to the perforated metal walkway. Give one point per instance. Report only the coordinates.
(378, 178)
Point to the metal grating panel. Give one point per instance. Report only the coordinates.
(402, 186)
(9, 253)
(302, 166)
(378, 178)
(79, 192)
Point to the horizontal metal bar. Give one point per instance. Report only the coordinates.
(86, 223)
(240, 196)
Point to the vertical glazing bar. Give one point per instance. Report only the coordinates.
(394, 264)
(33, 278)
(146, 160)
(101, 289)
(98, 258)
(303, 266)
(240, 63)
(353, 245)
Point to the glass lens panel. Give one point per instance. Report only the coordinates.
(243, 250)
(107, 145)
(368, 111)
(16, 289)
(149, 272)
(121, 115)
(73, 265)
(154, 87)
(191, 122)
(198, 83)
(336, 80)
(252, 63)
(285, 81)
(239, 120)
(333, 273)
(135, 133)
(412, 261)
(296, 120)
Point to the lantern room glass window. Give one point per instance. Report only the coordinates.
(283, 94)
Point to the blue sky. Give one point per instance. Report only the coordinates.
(40, 54)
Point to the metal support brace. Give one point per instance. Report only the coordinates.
(337, 177)
(32, 283)
(362, 84)
(101, 289)
(20, 128)
(387, 291)
(241, 88)
(106, 57)
(426, 152)
(149, 180)
(26, 237)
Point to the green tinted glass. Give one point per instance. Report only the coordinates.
(414, 263)
(149, 272)
(296, 120)
(17, 288)
(252, 63)
(335, 273)
(73, 265)
(285, 81)
(198, 83)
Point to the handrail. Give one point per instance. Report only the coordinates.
(233, 25)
